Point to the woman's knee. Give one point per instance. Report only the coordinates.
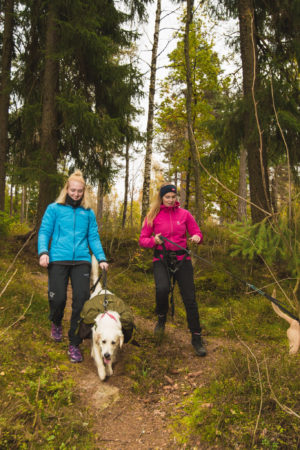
(162, 291)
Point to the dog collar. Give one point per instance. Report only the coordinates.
(109, 314)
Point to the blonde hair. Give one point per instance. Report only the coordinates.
(86, 198)
(155, 206)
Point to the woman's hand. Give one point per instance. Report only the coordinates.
(157, 239)
(196, 239)
(103, 265)
(44, 261)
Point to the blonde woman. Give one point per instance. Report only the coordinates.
(167, 219)
(70, 225)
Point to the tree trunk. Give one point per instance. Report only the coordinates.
(49, 128)
(242, 204)
(189, 99)
(257, 164)
(125, 203)
(182, 187)
(7, 48)
(11, 199)
(23, 204)
(148, 156)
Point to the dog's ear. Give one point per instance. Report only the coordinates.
(98, 338)
(121, 341)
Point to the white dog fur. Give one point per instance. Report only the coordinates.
(107, 336)
(107, 339)
(293, 332)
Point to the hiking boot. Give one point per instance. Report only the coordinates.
(56, 332)
(75, 354)
(198, 344)
(160, 325)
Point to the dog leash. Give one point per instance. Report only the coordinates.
(251, 286)
(95, 284)
(105, 301)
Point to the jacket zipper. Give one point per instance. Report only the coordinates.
(74, 223)
(171, 222)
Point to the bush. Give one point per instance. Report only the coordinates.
(5, 223)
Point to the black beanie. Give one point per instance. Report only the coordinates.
(165, 189)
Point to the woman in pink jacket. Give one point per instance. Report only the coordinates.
(167, 219)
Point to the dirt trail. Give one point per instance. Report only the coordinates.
(135, 421)
(124, 419)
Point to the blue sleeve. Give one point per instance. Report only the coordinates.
(94, 238)
(46, 229)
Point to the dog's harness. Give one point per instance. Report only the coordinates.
(109, 315)
(172, 265)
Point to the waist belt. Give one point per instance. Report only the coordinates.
(158, 252)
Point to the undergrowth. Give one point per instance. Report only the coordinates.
(253, 401)
(40, 406)
(244, 405)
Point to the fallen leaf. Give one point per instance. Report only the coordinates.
(195, 374)
(169, 380)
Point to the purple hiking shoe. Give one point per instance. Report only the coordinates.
(75, 354)
(56, 332)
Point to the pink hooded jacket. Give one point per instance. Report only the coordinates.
(173, 223)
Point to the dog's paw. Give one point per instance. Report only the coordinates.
(109, 370)
(102, 374)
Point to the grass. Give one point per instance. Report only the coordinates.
(251, 401)
(40, 405)
(241, 404)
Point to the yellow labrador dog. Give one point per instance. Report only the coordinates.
(107, 335)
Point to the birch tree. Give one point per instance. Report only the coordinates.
(189, 98)
(149, 142)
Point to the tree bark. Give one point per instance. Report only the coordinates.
(242, 204)
(126, 184)
(149, 142)
(7, 49)
(189, 99)
(49, 128)
(23, 204)
(257, 161)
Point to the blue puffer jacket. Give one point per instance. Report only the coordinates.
(73, 231)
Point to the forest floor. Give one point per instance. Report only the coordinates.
(161, 395)
(137, 415)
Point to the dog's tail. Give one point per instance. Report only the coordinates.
(279, 312)
(95, 272)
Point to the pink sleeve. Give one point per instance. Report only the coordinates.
(146, 238)
(193, 227)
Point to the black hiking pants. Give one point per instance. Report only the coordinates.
(58, 278)
(185, 279)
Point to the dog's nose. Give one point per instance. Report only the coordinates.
(107, 355)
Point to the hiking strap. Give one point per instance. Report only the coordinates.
(172, 265)
(251, 286)
(105, 301)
